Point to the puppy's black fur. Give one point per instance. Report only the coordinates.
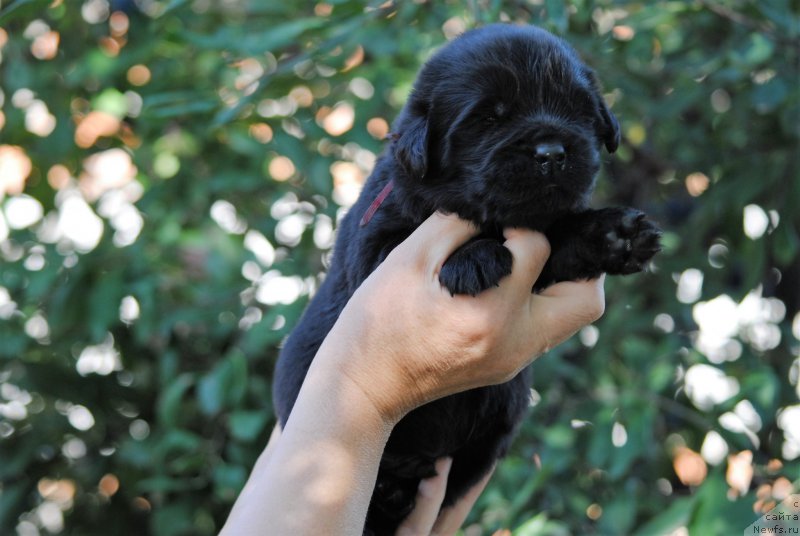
(504, 128)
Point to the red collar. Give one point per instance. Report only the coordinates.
(373, 208)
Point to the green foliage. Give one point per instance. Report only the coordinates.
(169, 176)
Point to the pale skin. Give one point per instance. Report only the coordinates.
(402, 341)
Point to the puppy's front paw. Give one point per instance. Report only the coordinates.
(477, 265)
(631, 240)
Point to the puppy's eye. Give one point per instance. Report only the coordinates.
(496, 111)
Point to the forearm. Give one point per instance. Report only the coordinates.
(319, 477)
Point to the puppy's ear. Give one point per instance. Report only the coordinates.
(609, 127)
(411, 144)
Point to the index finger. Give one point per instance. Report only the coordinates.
(530, 250)
(438, 237)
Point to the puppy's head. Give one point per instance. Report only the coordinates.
(504, 126)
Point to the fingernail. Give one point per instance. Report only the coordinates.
(427, 486)
(443, 465)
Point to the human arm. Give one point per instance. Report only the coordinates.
(401, 341)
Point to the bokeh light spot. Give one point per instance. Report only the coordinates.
(636, 134)
(15, 167)
(361, 88)
(740, 472)
(39, 120)
(94, 126)
(106, 170)
(80, 417)
(714, 449)
(261, 132)
(378, 128)
(23, 211)
(453, 27)
(622, 32)
(166, 165)
(755, 221)
(708, 386)
(118, 23)
(138, 75)
(594, 511)
(339, 120)
(129, 310)
(354, 60)
(108, 485)
(102, 359)
(95, 11)
(58, 177)
(302, 96)
(720, 101)
(690, 285)
(45, 46)
(281, 168)
(348, 180)
(689, 466)
(697, 183)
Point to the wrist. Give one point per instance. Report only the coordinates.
(366, 379)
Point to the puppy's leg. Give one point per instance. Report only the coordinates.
(616, 241)
(477, 265)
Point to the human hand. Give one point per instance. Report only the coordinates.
(428, 516)
(404, 340)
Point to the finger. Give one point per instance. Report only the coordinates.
(530, 250)
(437, 238)
(451, 518)
(562, 309)
(591, 293)
(429, 501)
(273, 441)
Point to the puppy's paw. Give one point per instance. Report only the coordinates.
(630, 241)
(477, 265)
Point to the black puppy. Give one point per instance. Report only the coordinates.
(504, 128)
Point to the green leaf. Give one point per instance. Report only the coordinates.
(225, 385)
(104, 302)
(247, 425)
(111, 102)
(786, 244)
(173, 518)
(715, 513)
(12, 498)
(255, 42)
(541, 526)
(677, 515)
(211, 389)
(21, 8)
(229, 479)
(619, 515)
(177, 441)
(557, 15)
(762, 388)
(170, 403)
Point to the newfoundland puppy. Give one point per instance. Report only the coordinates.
(504, 127)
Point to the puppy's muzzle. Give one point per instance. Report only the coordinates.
(550, 157)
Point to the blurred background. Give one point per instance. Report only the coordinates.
(171, 174)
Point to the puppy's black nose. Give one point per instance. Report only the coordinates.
(550, 156)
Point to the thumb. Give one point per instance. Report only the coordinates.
(562, 309)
